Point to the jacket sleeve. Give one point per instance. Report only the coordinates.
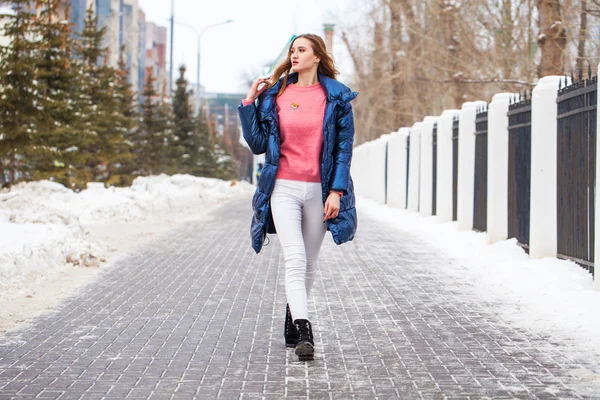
(252, 129)
(342, 152)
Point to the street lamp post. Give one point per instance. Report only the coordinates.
(199, 38)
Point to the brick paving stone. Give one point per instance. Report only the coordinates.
(195, 314)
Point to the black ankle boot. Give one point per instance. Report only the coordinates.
(306, 345)
(290, 333)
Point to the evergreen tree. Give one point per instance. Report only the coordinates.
(89, 123)
(124, 91)
(227, 167)
(122, 161)
(184, 150)
(205, 162)
(148, 148)
(156, 134)
(91, 39)
(103, 123)
(164, 128)
(53, 158)
(19, 97)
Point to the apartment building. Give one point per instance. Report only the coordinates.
(145, 42)
(130, 37)
(156, 54)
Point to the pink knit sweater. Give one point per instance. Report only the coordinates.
(301, 111)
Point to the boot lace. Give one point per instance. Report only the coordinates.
(304, 329)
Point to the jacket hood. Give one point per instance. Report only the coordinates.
(334, 89)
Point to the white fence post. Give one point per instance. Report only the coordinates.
(444, 166)
(368, 170)
(374, 167)
(359, 169)
(466, 165)
(397, 169)
(414, 167)
(542, 229)
(497, 195)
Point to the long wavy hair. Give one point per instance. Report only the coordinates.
(326, 64)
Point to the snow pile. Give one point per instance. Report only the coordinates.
(149, 196)
(42, 224)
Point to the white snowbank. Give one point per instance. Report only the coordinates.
(43, 224)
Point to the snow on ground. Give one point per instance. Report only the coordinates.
(548, 296)
(46, 230)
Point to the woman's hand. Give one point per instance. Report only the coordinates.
(254, 91)
(332, 206)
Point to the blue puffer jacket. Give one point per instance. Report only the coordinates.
(260, 125)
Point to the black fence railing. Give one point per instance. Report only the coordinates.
(519, 169)
(407, 167)
(576, 170)
(385, 184)
(455, 123)
(481, 167)
(434, 192)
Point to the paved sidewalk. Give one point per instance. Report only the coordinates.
(200, 316)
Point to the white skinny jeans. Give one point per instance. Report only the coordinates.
(297, 209)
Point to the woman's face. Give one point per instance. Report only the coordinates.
(302, 56)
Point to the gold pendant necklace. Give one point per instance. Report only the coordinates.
(295, 106)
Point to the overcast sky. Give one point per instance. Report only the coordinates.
(259, 31)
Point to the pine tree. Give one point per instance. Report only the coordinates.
(111, 126)
(147, 151)
(91, 38)
(103, 123)
(125, 95)
(54, 158)
(164, 129)
(19, 97)
(122, 161)
(89, 122)
(227, 167)
(205, 163)
(156, 133)
(184, 150)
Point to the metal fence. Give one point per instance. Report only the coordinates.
(481, 167)
(455, 123)
(434, 192)
(385, 185)
(407, 167)
(519, 169)
(576, 170)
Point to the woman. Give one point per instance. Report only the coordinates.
(303, 121)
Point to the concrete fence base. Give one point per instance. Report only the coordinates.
(542, 227)
(397, 169)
